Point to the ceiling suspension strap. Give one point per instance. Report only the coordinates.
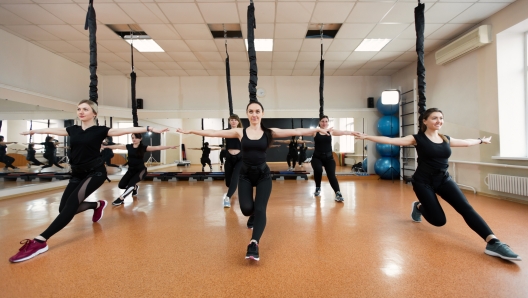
(321, 78)
(133, 81)
(253, 70)
(228, 77)
(419, 22)
(91, 26)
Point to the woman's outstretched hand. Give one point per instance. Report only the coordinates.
(486, 140)
(28, 132)
(160, 130)
(360, 135)
(174, 147)
(180, 130)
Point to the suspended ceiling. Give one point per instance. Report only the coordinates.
(180, 28)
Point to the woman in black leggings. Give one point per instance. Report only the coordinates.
(233, 161)
(254, 173)
(431, 178)
(293, 153)
(302, 153)
(323, 157)
(50, 152)
(107, 153)
(7, 160)
(88, 174)
(30, 156)
(136, 165)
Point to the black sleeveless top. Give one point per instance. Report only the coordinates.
(322, 144)
(233, 144)
(292, 147)
(205, 152)
(430, 154)
(135, 161)
(86, 144)
(3, 150)
(254, 151)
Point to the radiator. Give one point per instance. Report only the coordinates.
(509, 184)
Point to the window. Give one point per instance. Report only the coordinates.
(39, 124)
(124, 139)
(346, 142)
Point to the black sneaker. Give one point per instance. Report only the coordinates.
(118, 202)
(498, 249)
(203, 170)
(134, 192)
(252, 251)
(416, 215)
(250, 221)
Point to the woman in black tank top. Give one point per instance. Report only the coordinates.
(4, 158)
(205, 160)
(88, 174)
(233, 161)
(323, 157)
(255, 173)
(431, 178)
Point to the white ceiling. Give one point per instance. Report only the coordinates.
(180, 28)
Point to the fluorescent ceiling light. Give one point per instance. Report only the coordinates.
(262, 45)
(372, 45)
(145, 45)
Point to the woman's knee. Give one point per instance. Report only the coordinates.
(437, 221)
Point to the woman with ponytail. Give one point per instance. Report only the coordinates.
(431, 178)
(136, 165)
(255, 173)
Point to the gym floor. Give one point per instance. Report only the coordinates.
(176, 240)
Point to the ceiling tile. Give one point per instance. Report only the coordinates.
(385, 72)
(287, 45)
(104, 66)
(264, 12)
(290, 30)
(262, 31)
(110, 72)
(340, 56)
(33, 13)
(238, 56)
(216, 72)
(65, 32)
(158, 57)
(450, 31)
(302, 72)
(233, 45)
(173, 45)
(369, 12)
(344, 72)
(282, 65)
(354, 30)
(344, 45)
(397, 65)
(285, 56)
(239, 65)
(281, 72)
(331, 12)
(176, 73)
(306, 65)
(59, 46)
(140, 13)
(240, 72)
(197, 72)
(218, 13)
(399, 45)
(386, 56)
(401, 12)
(78, 57)
(445, 12)
(103, 32)
(365, 72)
(264, 72)
(202, 45)
(264, 56)
(156, 10)
(294, 12)
(183, 56)
(352, 64)
(115, 45)
(108, 57)
(331, 64)
(121, 65)
(83, 45)
(182, 13)
(220, 66)
(407, 57)
(314, 45)
(387, 30)
(154, 72)
(160, 31)
(327, 72)
(309, 56)
(478, 12)
(264, 65)
(209, 56)
(145, 65)
(375, 64)
(138, 57)
(410, 32)
(361, 56)
(32, 32)
(9, 18)
(190, 65)
(193, 31)
(111, 13)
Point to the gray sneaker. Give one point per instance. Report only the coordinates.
(339, 197)
(416, 215)
(227, 202)
(501, 250)
(317, 191)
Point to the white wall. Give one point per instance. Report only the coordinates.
(466, 91)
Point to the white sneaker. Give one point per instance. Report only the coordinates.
(227, 202)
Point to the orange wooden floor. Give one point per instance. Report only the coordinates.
(176, 240)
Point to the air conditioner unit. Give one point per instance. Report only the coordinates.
(464, 44)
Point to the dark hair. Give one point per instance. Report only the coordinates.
(426, 115)
(30, 146)
(235, 116)
(141, 149)
(206, 144)
(267, 131)
(49, 139)
(1, 138)
(322, 117)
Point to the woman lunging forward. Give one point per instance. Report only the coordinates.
(255, 173)
(431, 178)
(233, 161)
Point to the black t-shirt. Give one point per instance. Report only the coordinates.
(133, 160)
(254, 151)
(432, 154)
(322, 143)
(49, 148)
(86, 144)
(3, 150)
(205, 152)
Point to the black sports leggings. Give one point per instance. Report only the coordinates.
(302, 158)
(233, 164)
(8, 160)
(328, 162)
(35, 161)
(108, 162)
(52, 160)
(426, 186)
(131, 178)
(205, 160)
(259, 177)
(81, 185)
(291, 158)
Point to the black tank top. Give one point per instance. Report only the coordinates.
(205, 152)
(3, 150)
(135, 161)
(322, 143)
(432, 155)
(303, 150)
(292, 147)
(233, 144)
(254, 151)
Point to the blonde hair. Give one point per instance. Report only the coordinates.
(235, 116)
(92, 105)
(426, 115)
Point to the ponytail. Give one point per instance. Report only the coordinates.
(269, 134)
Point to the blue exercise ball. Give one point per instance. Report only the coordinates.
(364, 165)
(387, 150)
(386, 110)
(389, 126)
(385, 171)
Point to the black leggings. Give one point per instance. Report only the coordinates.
(131, 178)
(291, 158)
(328, 162)
(233, 164)
(34, 161)
(108, 162)
(205, 160)
(302, 158)
(52, 160)
(8, 160)
(259, 177)
(425, 186)
(81, 185)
